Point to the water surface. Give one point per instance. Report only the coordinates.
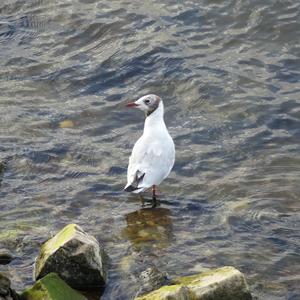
(228, 72)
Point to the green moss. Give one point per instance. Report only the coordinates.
(192, 279)
(161, 293)
(170, 288)
(188, 279)
(36, 292)
(52, 245)
(51, 287)
(60, 238)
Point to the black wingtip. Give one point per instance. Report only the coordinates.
(130, 188)
(135, 183)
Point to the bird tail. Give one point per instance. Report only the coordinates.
(131, 188)
(134, 186)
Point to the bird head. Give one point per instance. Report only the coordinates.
(147, 104)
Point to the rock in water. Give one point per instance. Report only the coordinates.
(169, 292)
(151, 279)
(6, 293)
(51, 287)
(225, 283)
(4, 285)
(76, 257)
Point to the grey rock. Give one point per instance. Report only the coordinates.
(151, 279)
(76, 257)
(225, 283)
(6, 293)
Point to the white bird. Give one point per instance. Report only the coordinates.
(153, 155)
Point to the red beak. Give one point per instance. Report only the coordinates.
(131, 104)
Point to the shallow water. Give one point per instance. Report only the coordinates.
(228, 72)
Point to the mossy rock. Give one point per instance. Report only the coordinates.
(76, 257)
(225, 283)
(168, 292)
(51, 287)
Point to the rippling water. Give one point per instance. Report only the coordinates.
(229, 74)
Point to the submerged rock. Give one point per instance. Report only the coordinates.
(51, 287)
(149, 228)
(6, 293)
(225, 283)
(76, 257)
(151, 279)
(5, 257)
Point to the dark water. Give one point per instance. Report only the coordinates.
(229, 74)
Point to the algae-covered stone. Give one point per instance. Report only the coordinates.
(168, 292)
(51, 287)
(225, 283)
(76, 257)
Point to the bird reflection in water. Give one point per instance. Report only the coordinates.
(149, 228)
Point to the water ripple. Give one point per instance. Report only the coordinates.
(228, 72)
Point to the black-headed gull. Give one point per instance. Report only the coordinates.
(153, 154)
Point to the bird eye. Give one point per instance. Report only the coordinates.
(147, 101)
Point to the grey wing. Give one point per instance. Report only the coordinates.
(137, 155)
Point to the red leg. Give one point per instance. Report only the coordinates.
(153, 191)
(154, 203)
